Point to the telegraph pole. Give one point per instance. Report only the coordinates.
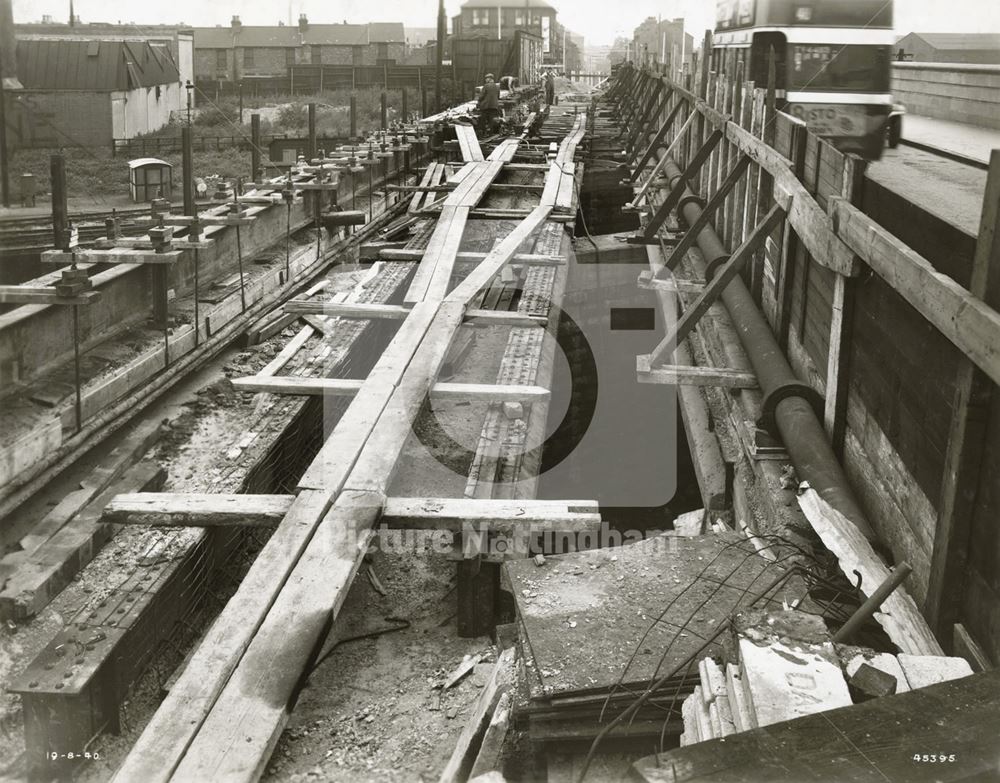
(441, 33)
(6, 56)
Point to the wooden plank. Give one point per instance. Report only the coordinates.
(899, 615)
(285, 355)
(813, 227)
(693, 375)
(236, 739)
(349, 387)
(496, 514)
(671, 285)
(503, 318)
(963, 479)
(723, 277)
(197, 510)
(347, 309)
(444, 243)
(43, 295)
(469, 142)
(463, 757)
(520, 259)
(252, 709)
(426, 181)
(159, 749)
(967, 321)
(338, 454)
(499, 256)
(841, 325)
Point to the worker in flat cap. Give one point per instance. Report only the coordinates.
(489, 105)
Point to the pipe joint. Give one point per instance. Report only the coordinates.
(712, 266)
(769, 407)
(690, 198)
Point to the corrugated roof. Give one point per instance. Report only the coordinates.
(93, 65)
(966, 41)
(506, 4)
(267, 36)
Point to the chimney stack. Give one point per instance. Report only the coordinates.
(237, 25)
(303, 23)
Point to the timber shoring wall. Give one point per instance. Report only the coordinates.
(900, 371)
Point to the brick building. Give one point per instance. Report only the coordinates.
(244, 51)
(501, 19)
(662, 41)
(971, 48)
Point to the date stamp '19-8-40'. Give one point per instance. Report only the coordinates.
(87, 755)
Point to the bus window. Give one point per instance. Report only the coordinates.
(846, 68)
(759, 55)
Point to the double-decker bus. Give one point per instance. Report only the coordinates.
(832, 62)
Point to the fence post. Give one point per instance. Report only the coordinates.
(312, 132)
(405, 109)
(254, 147)
(423, 102)
(354, 115)
(385, 111)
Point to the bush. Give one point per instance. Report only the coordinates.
(292, 117)
(224, 113)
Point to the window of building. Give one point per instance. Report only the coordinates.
(317, 55)
(520, 17)
(383, 51)
(480, 17)
(220, 59)
(248, 58)
(357, 55)
(289, 57)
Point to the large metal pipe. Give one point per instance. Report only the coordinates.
(788, 403)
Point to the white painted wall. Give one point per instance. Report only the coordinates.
(140, 111)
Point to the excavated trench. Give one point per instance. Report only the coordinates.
(619, 442)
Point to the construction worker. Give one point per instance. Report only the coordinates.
(550, 88)
(489, 105)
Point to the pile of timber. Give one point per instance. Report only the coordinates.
(787, 667)
(598, 627)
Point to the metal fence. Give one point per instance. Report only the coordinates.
(143, 147)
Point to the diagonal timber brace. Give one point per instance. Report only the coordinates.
(722, 278)
(671, 201)
(658, 140)
(688, 240)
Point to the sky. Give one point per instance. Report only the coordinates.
(597, 20)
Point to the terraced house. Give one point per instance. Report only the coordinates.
(248, 51)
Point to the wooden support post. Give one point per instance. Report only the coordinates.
(255, 169)
(963, 475)
(311, 152)
(655, 222)
(723, 277)
(841, 326)
(643, 119)
(384, 101)
(354, 116)
(691, 236)
(60, 210)
(791, 246)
